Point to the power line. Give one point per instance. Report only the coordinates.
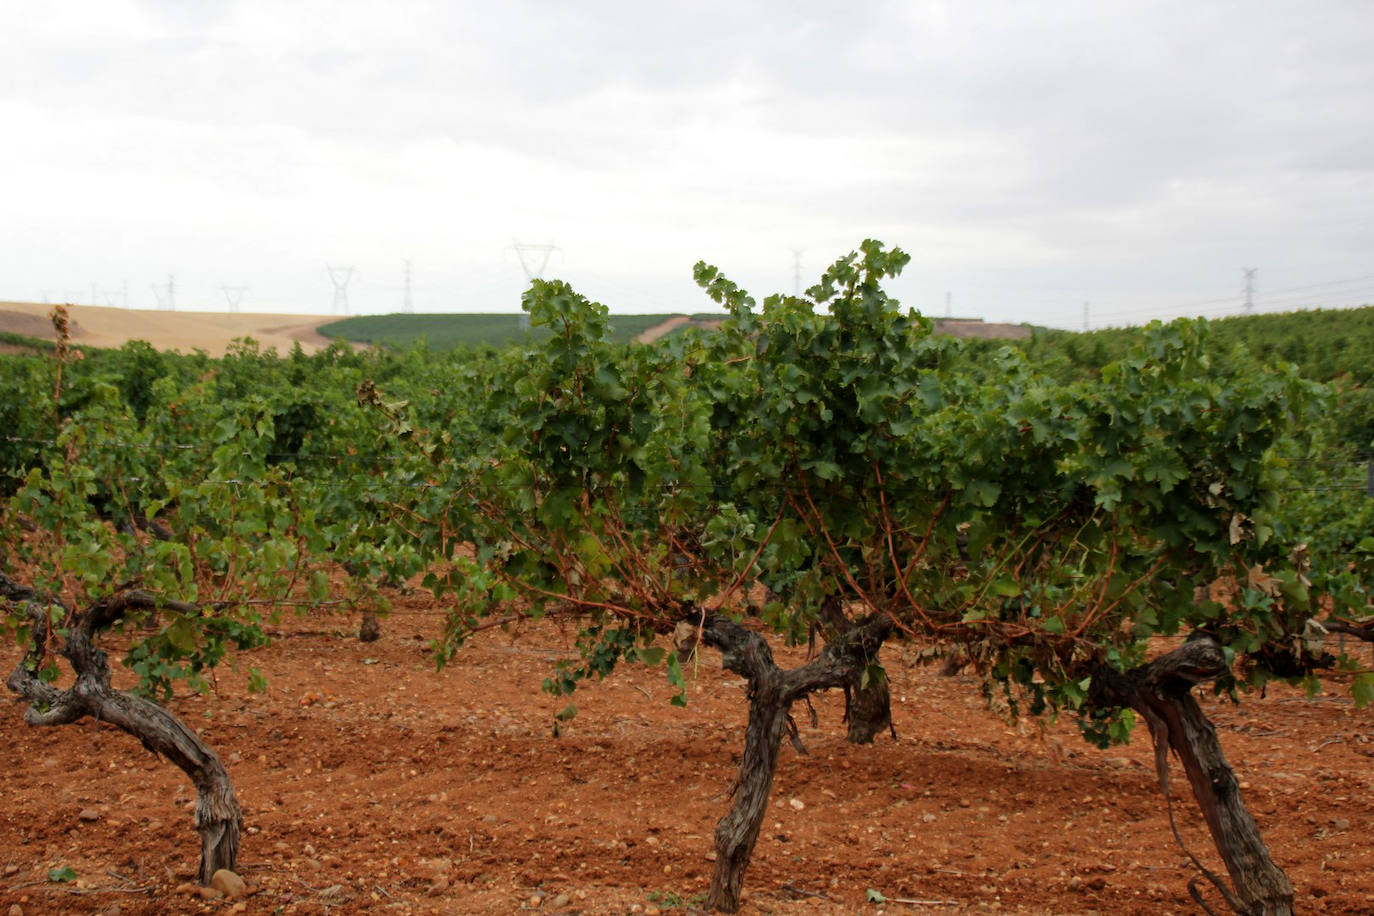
(1307, 286)
(1250, 288)
(1228, 306)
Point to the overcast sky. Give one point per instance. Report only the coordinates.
(1030, 156)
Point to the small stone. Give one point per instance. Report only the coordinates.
(927, 818)
(89, 815)
(535, 901)
(16, 910)
(797, 804)
(11, 870)
(228, 884)
(1341, 823)
(561, 900)
(1075, 883)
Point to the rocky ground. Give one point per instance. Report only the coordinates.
(372, 783)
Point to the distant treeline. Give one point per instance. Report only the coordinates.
(1325, 344)
(448, 332)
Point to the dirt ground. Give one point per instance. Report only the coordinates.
(212, 332)
(371, 783)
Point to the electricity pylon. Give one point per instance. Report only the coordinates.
(339, 277)
(168, 302)
(408, 304)
(532, 273)
(233, 295)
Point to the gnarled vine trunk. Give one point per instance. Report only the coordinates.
(867, 700)
(218, 818)
(868, 710)
(371, 629)
(1161, 692)
(772, 691)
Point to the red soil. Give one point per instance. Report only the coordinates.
(371, 783)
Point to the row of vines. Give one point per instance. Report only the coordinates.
(1038, 519)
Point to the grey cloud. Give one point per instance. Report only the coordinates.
(1070, 135)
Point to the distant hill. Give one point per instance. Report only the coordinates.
(444, 332)
(213, 332)
(978, 328)
(25, 324)
(1325, 344)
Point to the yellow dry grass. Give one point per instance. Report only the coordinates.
(185, 331)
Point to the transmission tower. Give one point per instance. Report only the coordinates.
(1250, 288)
(532, 273)
(233, 295)
(340, 276)
(123, 293)
(166, 295)
(407, 304)
(110, 296)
